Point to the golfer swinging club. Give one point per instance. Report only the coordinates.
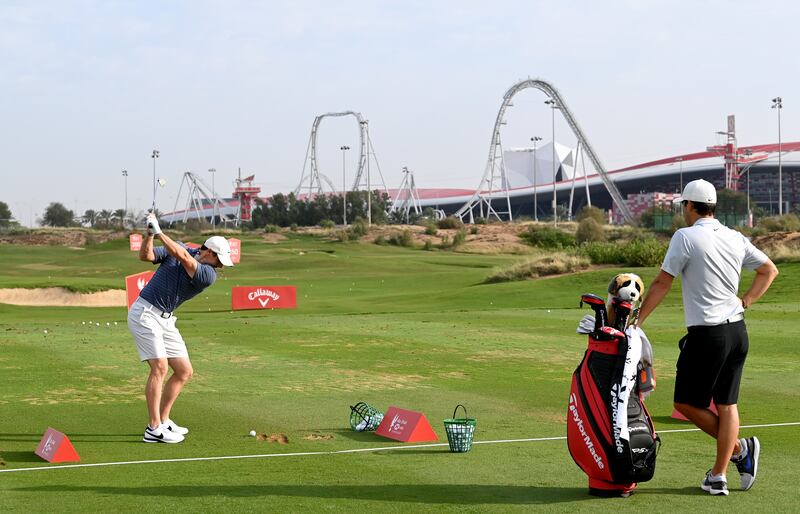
(709, 258)
(183, 273)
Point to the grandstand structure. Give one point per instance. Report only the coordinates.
(756, 171)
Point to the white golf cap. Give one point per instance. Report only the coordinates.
(698, 191)
(220, 246)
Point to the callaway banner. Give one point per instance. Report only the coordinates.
(135, 283)
(263, 297)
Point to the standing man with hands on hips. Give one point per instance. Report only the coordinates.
(183, 273)
(709, 258)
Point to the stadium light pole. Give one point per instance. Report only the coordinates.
(777, 103)
(213, 172)
(553, 107)
(680, 173)
(369, 187)
(748, 152)
(535, 140)
(155, 182)
(344, 149)
(125, 178)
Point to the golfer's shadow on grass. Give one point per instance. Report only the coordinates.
(80, 438)
(361, 437)
(28, 456)
(445, 494)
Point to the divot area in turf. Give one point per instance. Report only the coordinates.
(318, 437)
(273, 438)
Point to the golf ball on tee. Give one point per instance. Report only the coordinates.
(252, 433)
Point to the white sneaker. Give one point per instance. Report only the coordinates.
(174, 427)
(161, 434)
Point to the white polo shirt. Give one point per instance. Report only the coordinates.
(709, 258)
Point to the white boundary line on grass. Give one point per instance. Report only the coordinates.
(335, 452)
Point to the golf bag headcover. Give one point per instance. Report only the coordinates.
(609, 432)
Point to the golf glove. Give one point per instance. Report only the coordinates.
(586, 325)
(153, 228)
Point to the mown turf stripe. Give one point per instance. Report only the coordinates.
(335, 452)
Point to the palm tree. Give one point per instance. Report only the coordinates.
(105, 217)
(120, 215)
(90, 217)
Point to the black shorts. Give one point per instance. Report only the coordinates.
(710, 364)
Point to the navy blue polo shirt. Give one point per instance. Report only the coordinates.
(171, 285)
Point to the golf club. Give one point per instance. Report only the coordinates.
(159, 181)
(599, 306)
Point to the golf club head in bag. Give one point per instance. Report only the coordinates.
(598, 305)
(619, 313)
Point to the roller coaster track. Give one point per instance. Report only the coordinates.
(494, 185)
(312, 183)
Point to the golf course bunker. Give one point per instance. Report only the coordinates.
(61, 297)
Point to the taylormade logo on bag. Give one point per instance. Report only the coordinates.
(617, 430)
(586, 439)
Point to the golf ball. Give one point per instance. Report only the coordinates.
(45, 331)
(252, 433)
(548, 310)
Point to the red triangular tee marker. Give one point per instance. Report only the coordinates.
(407, 426)
(56, 447)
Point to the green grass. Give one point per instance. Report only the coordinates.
(381, 324)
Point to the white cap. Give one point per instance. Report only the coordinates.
(220, 246)
(698, 191)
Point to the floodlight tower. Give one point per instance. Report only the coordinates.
(125, 178)
(553, 105)
(777, 104)
(535, 140)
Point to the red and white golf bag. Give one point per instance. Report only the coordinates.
(610, 434)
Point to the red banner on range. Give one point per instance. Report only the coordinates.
(135, 283)
(236, 249)
(263, 297)
(135, 241)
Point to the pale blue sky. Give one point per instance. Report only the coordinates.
(88, 88)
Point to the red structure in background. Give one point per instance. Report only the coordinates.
(734, 157)
(245, 191)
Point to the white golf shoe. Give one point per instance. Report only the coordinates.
(174, 427)
(161, 434)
